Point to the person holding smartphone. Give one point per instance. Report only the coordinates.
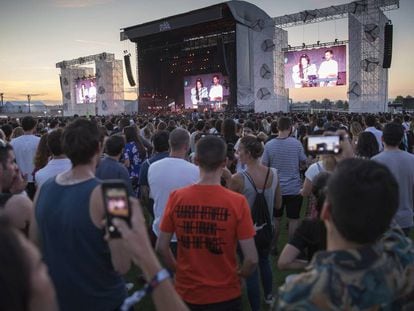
(69, 213)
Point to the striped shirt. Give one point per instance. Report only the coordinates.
(285, 154)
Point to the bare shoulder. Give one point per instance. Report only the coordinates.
(237, 183)
(96, 207)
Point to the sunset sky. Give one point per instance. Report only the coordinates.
(36, 34)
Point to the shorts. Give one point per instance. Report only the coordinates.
(292, 203)
(229, 305)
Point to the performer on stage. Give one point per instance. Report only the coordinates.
(303, 72)
(328, 70)
(198, 93)
(216, 90)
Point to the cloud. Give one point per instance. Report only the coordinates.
(79, 3)
(91, 42)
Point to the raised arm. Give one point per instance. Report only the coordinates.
(120, 257)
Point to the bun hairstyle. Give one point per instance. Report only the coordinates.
(253, 145)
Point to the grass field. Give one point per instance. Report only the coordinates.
(278, 276)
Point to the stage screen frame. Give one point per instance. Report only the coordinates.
(317, 58)
(87, 94)
(207, 79)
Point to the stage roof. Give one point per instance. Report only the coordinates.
(241, 11)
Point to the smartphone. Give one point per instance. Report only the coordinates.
(115, 196)
(324, 145)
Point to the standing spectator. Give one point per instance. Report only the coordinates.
(355, 130)
(134, 154)
(370, 122)
(367, 146)
(24, 281)
(109, 167)
(286, 154)
(273, 131)
(42, 155)
(160, 142)
(254, 178)
(17, 207)
(366, 265)
(228, 131)
(401, 165)
(199, 129)
(17, 132)
(69, 213)
(25, 149)
(169, 174)
(208, 220)
(58, 162)
(7, 130)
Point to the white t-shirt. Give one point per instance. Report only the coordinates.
(328, 69)
(314, 170)
(167, 175)
(216, 91)
(52, 168)
(25, 147)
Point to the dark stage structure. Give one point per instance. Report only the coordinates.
(220, 39)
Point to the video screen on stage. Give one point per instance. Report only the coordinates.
(206, 91)
(320, 67)
(86, 91)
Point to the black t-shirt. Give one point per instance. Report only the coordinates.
(309, 237)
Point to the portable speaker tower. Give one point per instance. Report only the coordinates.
(387, 45)
(128, 69)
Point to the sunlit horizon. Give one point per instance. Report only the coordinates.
(67, 29)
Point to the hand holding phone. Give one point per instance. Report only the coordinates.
(115, 196)
(324, 145)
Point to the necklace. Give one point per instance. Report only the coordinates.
(67, 179)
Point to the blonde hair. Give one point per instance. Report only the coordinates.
(18, 131)
(356, 129)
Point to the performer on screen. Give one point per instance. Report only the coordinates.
(198, 93)
(328, 71)
(92, 92)
(304, 72)
(216, 90)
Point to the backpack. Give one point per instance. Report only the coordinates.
(261, 217)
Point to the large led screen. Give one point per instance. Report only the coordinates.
(206, 90)
(86, 91)
(321, 67)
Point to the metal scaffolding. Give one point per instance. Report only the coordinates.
(108, 73)
(368, 81)
(333, 12)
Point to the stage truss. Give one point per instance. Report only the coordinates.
(108, 73)
(368, 81)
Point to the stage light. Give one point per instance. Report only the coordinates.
(289, 46)
(303, 44)
(336, 41)
(318, 42)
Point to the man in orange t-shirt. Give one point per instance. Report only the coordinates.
(208, 220)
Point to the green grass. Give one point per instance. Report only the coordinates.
(278, 276)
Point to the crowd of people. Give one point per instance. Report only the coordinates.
(194, 181)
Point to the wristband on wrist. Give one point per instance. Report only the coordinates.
(161, 275)
(136, 297)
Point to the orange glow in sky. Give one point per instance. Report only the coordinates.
(36, 34)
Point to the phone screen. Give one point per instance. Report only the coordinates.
(117, 202)
(116, 205)
(324, 144)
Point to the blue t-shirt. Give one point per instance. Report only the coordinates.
(74, 249)
(131, 153)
